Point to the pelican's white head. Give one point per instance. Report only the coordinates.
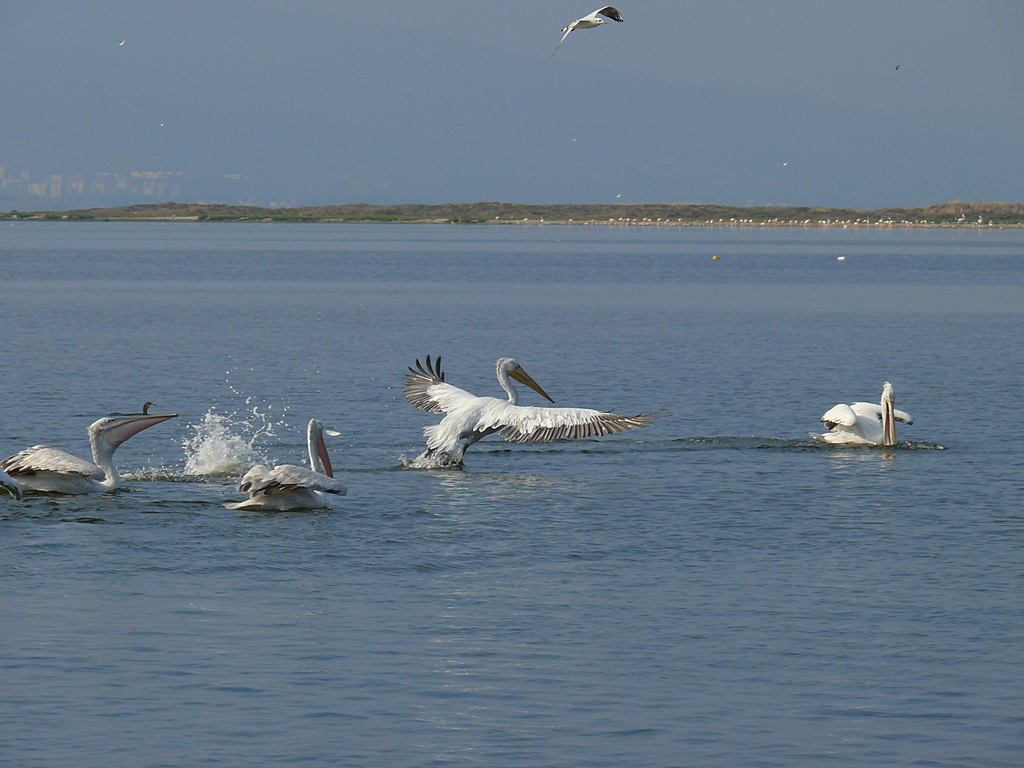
(109, 432)
(319, 459)
(507, 367)
(8, 484)
(114, 430)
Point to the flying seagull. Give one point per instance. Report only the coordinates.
(591, 21)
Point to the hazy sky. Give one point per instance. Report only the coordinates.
(866, 103)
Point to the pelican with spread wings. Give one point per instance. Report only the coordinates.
(589, 22)
(469, 418)
(865, 423)
(288, 486)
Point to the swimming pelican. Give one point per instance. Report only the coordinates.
(288, 486)
(589, 22)
(865, 423)
(469, 418)
(51, 470)
(10, 485)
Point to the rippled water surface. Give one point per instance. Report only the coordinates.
(717, 590)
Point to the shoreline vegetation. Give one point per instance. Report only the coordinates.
(951, 214)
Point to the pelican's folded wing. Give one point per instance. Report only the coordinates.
(252, 478)
(43, 458)
(840, 414)
(287, 477)
(530, 424)
(426, 389)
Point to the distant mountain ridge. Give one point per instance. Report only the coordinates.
(948, 213)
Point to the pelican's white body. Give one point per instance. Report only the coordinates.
(287, 486)
(865, 423)
(51, 470)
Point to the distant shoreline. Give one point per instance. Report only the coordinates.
(952, 214)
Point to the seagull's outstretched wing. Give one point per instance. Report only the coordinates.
(287, 477)
(43, 458)
(565, 34)
(426, 388)
(610, 12)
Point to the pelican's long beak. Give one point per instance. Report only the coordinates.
(123, 427)
(888, 424)
(523, 377)
(888, 417)
(325, 459)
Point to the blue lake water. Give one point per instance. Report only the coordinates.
(717, 590)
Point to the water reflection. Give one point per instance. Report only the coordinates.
(855, 460)
(473, 489)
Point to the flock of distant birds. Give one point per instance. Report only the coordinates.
(467, 419)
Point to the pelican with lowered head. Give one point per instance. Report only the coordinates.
(288, 486)
(865, 423)
(468, 418)
(9, 485)
(51, 470)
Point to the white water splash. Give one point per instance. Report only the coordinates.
(428, 460)
(224, 445)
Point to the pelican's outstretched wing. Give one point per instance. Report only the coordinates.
(43, 458)
(8, 484)
(526, 424)
(610, 12)
(426, 388)
(287, 477)
(849, 413)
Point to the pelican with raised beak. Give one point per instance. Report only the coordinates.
(865, 423)
(51, 470)
(289, 486)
